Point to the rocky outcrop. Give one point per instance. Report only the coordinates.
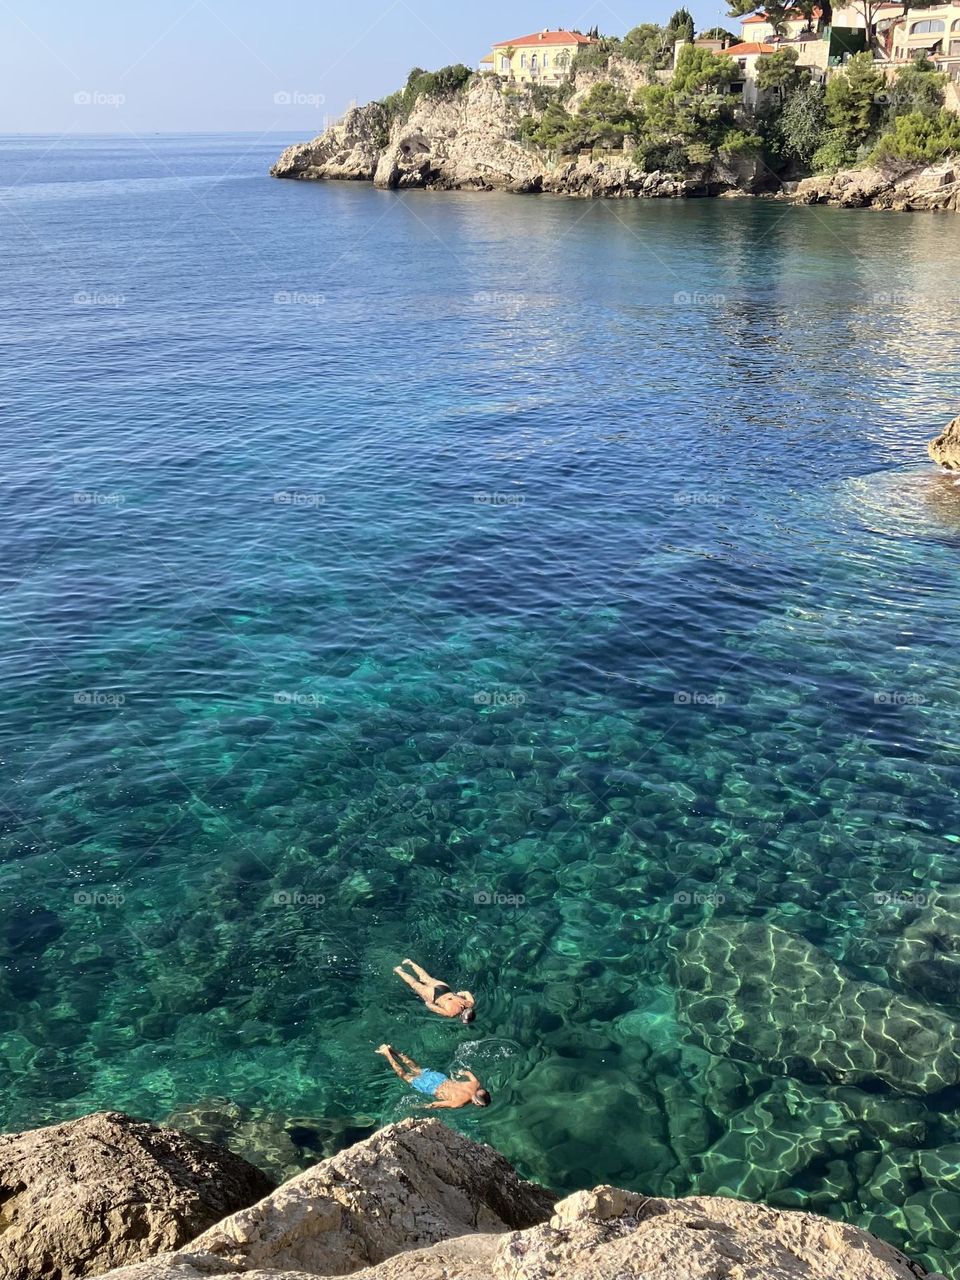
(935, 187)
(410, 1185)
(80, 1197)
(945, 449)
(751, 991)
(381, 1200)
(471, 141)
(348, 150)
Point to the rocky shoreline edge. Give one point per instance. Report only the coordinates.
(114, 1196)
(468, 142)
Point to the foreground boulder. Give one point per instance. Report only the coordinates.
(946, 448)
(80, 1197)
(604, 1234)
(410, 1185)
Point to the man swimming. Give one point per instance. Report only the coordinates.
(436, 995)
(448, 1093)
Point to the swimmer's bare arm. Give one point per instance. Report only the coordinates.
(440, 1106)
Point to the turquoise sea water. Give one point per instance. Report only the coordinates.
(556, 593)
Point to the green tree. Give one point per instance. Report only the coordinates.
(680, 27)
(701, 71)
(818, 13)
(918, 139)
(854, 101)
(800, 126)
(919, 87)
(647, 44)
(719, 33)
(780, 72)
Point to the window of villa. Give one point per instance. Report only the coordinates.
(546, 59)
(504, 64)
(956, 25)
(927, 26)
(523, 59)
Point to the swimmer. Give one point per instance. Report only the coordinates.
(448, 1093)
(436, 995)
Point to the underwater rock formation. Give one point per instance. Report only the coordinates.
(752, 991)
(80, 1197)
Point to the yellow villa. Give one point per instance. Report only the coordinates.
(543, 58)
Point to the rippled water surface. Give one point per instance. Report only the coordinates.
(557, 593)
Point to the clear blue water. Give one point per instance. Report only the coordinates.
(556, 593)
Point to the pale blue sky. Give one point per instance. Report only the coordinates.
(109, 66)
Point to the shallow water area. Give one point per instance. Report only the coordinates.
(432, 575)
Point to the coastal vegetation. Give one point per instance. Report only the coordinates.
(798, 125)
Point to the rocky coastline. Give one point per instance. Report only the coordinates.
(470, 141)
(113, 1196)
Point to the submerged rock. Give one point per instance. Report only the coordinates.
(80, 1197)
(752, 991)
(945, 449)
(419, 1182)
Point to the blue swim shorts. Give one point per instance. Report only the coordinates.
(428, 1082)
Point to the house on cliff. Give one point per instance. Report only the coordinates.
(542, 58)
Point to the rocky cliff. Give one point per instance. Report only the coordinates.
(470, 141)
(417, 1201)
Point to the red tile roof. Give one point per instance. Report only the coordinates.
(546, 37)
(751, 46)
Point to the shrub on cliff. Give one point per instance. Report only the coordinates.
(919, 87)
(420, 83)
(917, 139)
